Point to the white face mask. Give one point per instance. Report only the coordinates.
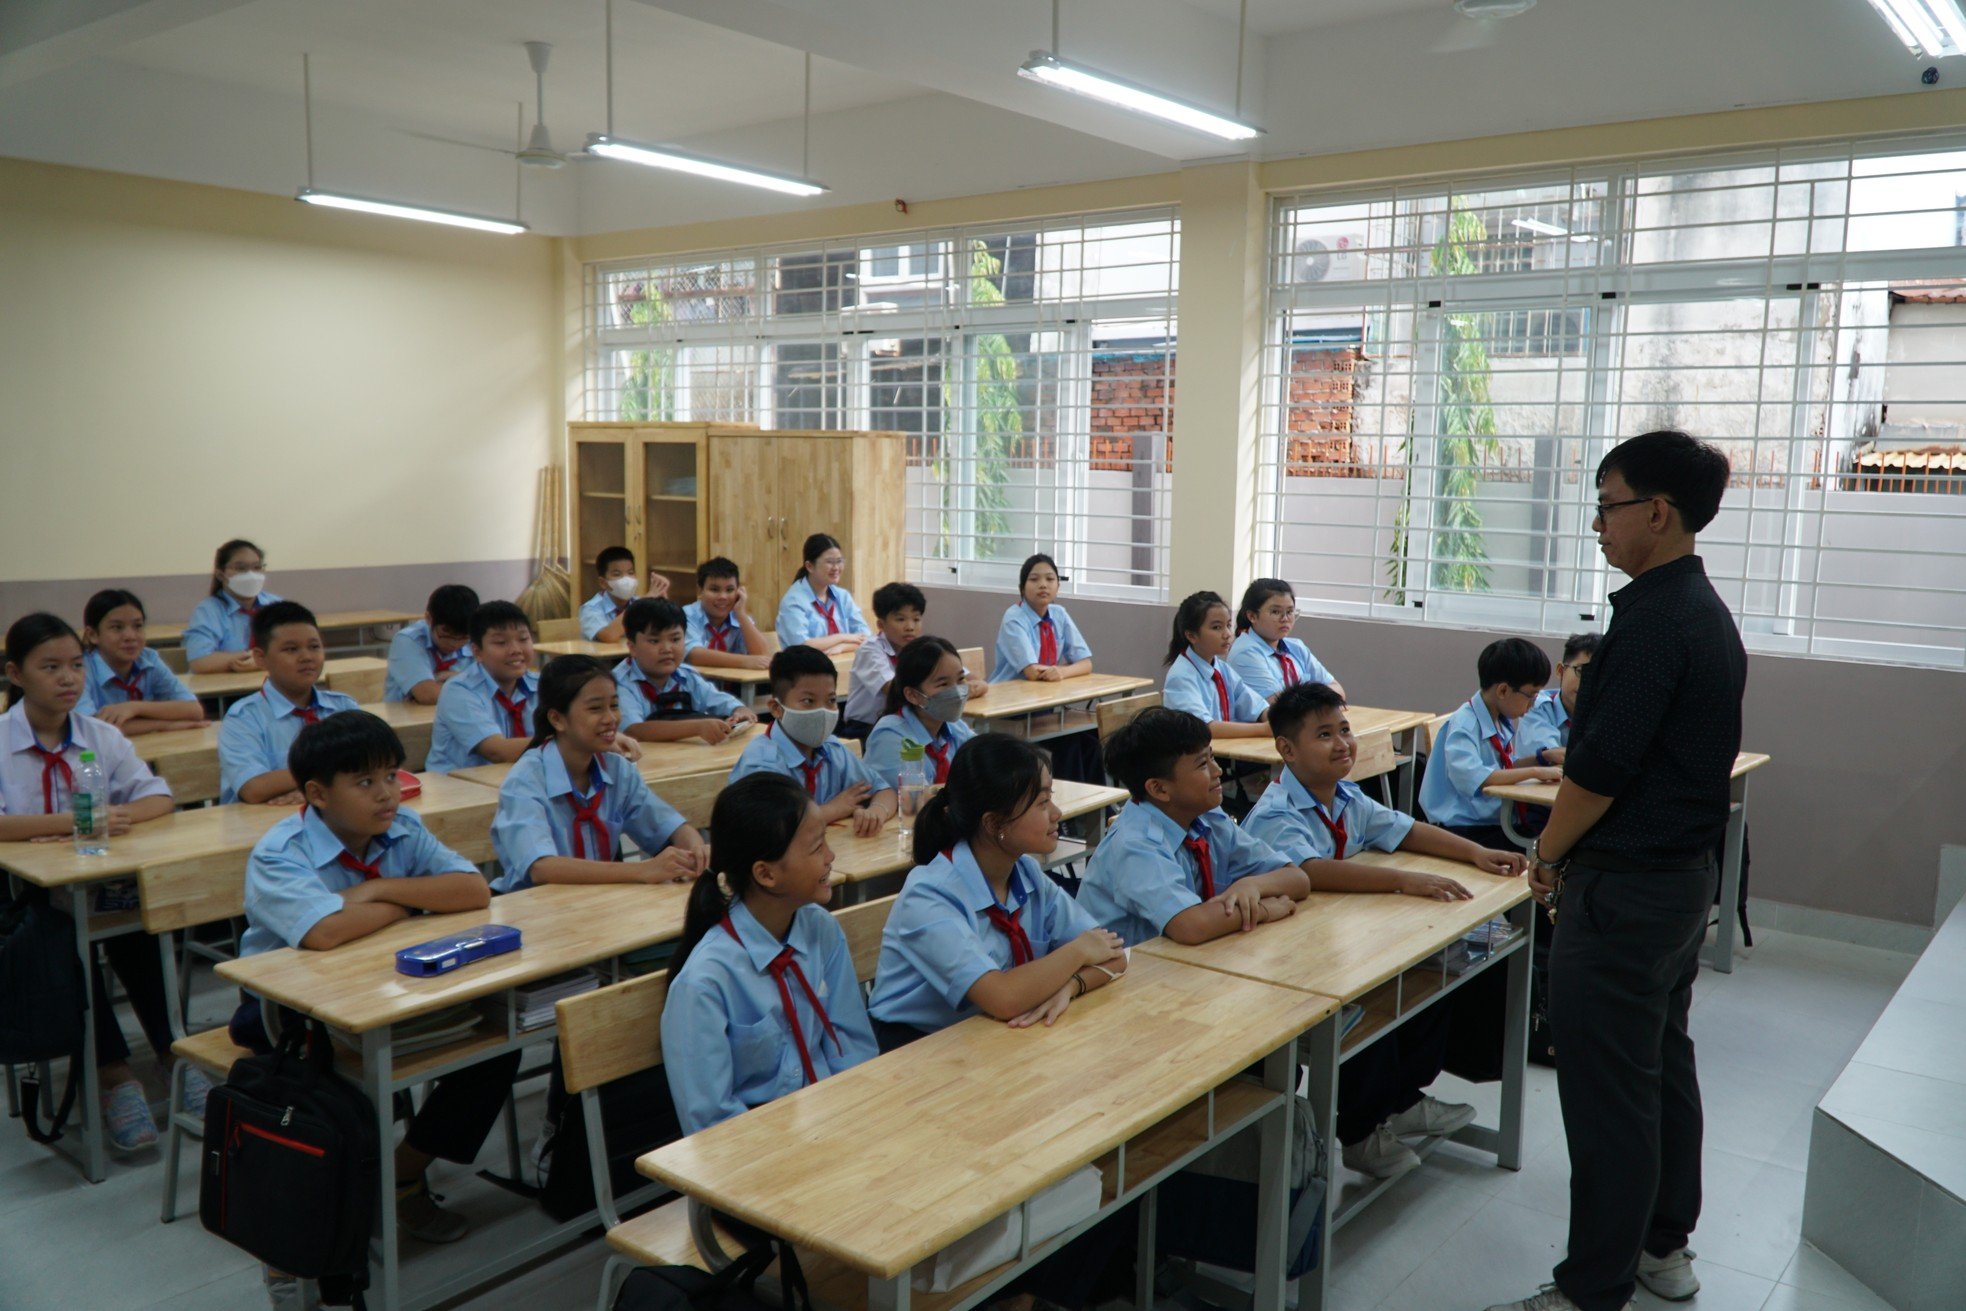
(246, 586)
(624, 587)
(809, 728)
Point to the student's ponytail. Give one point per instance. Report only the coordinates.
(992, 774)
(1188, 618)
(560, 685)
(754, 820)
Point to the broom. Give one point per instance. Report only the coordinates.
(550, 594)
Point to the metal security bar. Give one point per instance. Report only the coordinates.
(1030, 366)
(1448, 360)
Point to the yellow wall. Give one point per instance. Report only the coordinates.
(180, 364)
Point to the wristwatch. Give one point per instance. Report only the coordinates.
(1537, 857)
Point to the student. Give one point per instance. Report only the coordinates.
(1265, 655)
(352, 862)
(1173, 863)
(550, 829)
(257, 731)
(600, 617)
(663, 700)
(763, 998)
(220, 631)
(1318, 818)
(978, 927)
(815, 609)
(1037, 640)
(800, 744)
(425, 655)
(41, 746)
(1199, 679)
(898, 612)
(129, 686)
(924, 704)
(1545, 729)
(1475, 748)
(722, 634)
(485, 714)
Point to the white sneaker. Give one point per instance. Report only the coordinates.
(1671, 1276)
(1548, 1298)
(1381, 1154)
(1433, 1118)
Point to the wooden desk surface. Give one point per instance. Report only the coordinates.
(173, 634)
(153, 747)
(244, 684)
(355, 987)
(747, 677)
(899, 1157)
(1365, 720)
(1544, 794)
(856, 858)
(604, 650)
(1344, 944)
(660, 760)
(453, 811)
(1007, 700)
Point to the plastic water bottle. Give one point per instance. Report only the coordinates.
(90, 803)
(912, 787)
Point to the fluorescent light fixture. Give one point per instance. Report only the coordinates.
(1932, 28)
(391, 209)
(682, 161)
(1095, 85)
(1538, 226)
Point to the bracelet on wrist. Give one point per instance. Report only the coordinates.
(1080, 980)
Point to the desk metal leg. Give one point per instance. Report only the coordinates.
(95, 1161)
(1721, 957)
(1409, 750)
(1320, 1051)
(1516, 835)
(1515, 1042)
(1273, 1180)
(889, 1294)
(377, 1074)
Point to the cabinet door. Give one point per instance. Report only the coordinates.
(816, 496)
(743, 525)
(601, 503)
(671, 507)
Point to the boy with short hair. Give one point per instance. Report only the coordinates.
(721, 633)
(484, 715)
(662, 700)
(351, 863)
(600, 617)
(899, 612)
(1174, 863)
(430, 652)
(1545, 730)
(800, 744)
(254, 735)
(1476, 747)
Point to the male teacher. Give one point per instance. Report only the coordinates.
(1626, 866)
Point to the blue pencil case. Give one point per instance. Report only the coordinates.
(442, 955)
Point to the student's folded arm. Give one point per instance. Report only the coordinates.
(664, 730)
(426, 692)
(356, 920)
(264, 787)
(884, 802)
(25, 828)
(1006, 994)
(1076, 669)
(1432, 840)
(1227, 728)
(149, 808)
(436, 892)
(1348, 876)
(502, 750)
(1201, 923)
(567, 869)
(1285, 881)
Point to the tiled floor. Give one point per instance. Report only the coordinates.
(1455, 1236)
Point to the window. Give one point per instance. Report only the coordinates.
(1447, 361)
(1031, 368)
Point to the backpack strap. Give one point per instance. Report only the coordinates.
(30, 1090)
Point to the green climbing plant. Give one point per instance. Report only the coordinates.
(648, 392)
(999, 420)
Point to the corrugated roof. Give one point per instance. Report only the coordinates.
(1951, 291)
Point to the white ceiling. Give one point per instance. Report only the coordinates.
(912, 98)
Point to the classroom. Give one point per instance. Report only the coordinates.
(624, 685)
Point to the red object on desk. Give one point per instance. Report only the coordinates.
(412, 785)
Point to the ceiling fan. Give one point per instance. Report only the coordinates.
(538, 151)
(1484, 30)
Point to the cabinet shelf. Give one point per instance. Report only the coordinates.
(605, 496)
(679, 500)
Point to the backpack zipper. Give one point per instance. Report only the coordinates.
(293, 1143)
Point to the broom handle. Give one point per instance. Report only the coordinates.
(539, 523)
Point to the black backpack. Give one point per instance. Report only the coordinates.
(45, 992)
(291, 1165)
(637, 1116)
(734, 1288)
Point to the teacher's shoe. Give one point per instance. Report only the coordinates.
(1670, 1276)
(1548, 1298)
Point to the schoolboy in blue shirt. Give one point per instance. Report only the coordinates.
(662, 699)
(125, 684)
(1174, 863)
(425, 655)
(1545, 730)
(256, 732)
(600, 617)
(720, 632)
(351, 863)
(1475, 748)
(800, 744)
(484, 715)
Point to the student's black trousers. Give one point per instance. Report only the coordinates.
(1392, 1074)
(140, 968)
(1622, 962)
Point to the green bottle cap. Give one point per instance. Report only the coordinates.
(913, 750)
(88, 757)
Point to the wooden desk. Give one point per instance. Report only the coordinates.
(883, 1165)
(231, 686)
(660, 760)
(412, 723)
(1037, 711)
(1367, 722)
(610, 651)
(1720, 955)
(753, 685)
(188, 759)
(360, 621)
(857, 859)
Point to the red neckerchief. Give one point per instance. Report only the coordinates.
(1286, 665)
(53, 762)
(367, 869)
(515, 713)
(782, 964)
(1204, 862)
(1047, 642)
(829, 610)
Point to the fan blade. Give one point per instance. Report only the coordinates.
(507, 151)
(1464, 34)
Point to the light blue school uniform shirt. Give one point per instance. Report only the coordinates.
(1297, 824)
(220, 623)
(839, 769)
(685, 689)
(939, 939)
(883, 746)
(468, 712)
(152, 678)
(600, 610)
(1018, 641)
(1140, 876)
(1546, 725)
(1463, 758)
(257, 732)
(295, 878)
(414, 658)
(1255, 662)
(799, 618)
(698, 626)
(727, 1043)
(536, 808)
(29, 786)
(1190, 686)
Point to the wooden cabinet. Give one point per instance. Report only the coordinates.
(638, 485)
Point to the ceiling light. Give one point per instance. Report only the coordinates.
(1492, 8)
(1538, 226)
(1931, 28)
(1095, 85)
(683, 162)
(392, 209)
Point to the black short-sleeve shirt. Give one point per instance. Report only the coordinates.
(1658, 718)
